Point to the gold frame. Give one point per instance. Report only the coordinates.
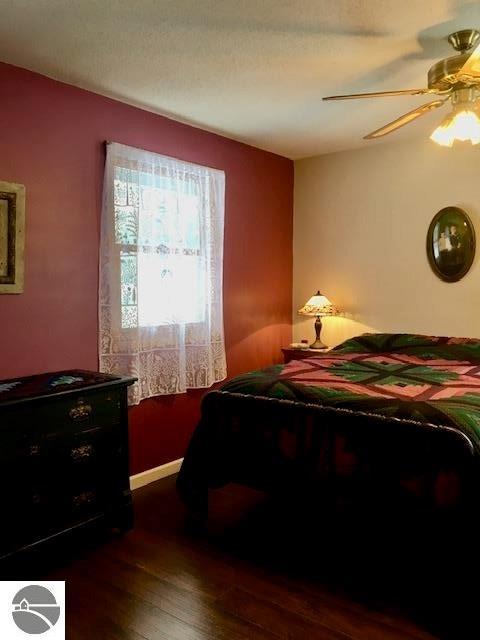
(12, 237)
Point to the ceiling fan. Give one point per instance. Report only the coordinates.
(455, 79)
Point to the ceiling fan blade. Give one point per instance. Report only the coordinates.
(405, 119)
(471, 68)
(382, 94)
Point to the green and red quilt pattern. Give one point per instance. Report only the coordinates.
(423, 378)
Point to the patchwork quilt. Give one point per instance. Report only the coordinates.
(423, 378)
(367, 407)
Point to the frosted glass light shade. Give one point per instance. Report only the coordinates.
(318, 305)
(463, 125)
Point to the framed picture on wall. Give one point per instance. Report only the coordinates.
(451, 244)
(12, 237)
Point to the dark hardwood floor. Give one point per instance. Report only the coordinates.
(259, 571)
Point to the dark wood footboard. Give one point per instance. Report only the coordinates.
(349, 456)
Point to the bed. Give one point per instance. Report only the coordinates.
(389, 417)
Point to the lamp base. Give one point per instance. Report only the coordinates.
(318, 344)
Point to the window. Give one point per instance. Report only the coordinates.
(161, 272)
(160, 249)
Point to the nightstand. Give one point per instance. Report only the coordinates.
(289, 353)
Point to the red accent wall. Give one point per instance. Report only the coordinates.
(52, 140)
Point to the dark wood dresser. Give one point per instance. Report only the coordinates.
(63, 455)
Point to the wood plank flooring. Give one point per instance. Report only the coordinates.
(255, 573)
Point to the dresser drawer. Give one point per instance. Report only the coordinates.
(93, 455)
(66, 414)
(83, 411)
(41, 511)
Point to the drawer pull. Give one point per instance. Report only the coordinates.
(82, 499)
(81, 412)
(81, 452)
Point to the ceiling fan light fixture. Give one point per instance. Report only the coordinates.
(462, 125)
(455, 79)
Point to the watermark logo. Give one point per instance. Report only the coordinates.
(32, 609)
(35, 609)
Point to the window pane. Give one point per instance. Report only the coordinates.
(168, 291)
(126, 225)
(158, 217)
(128, 284)
(163, 279)
(129, 317)
(190, 221)
(120, 186)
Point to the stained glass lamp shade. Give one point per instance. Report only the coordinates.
(318, 306)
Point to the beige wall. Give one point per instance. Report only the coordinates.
(360, 225)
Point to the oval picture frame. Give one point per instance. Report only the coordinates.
(451, 244)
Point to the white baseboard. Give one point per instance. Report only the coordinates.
(150, 475)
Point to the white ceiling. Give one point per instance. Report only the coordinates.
(254, 70)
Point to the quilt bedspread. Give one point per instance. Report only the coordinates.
(428, 379)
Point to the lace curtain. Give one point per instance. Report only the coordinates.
(161, 263)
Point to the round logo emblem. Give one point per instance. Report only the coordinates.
(35, 609)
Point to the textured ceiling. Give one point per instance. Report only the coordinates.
(254, 70)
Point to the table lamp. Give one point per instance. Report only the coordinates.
(318, 306)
